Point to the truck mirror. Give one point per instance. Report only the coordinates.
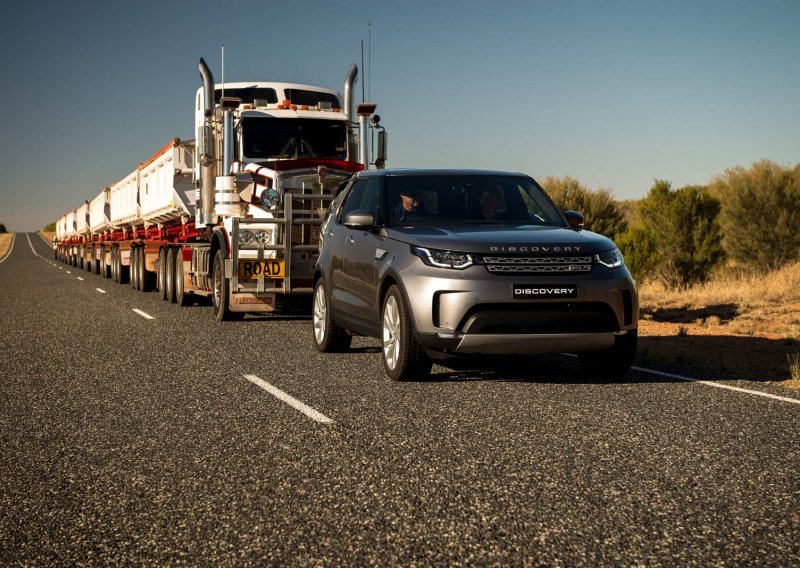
(380, 159)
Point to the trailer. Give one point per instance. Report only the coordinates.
(235, 214)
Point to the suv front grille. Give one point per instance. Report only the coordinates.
(538, 264)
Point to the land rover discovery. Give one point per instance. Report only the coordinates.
(442, 263)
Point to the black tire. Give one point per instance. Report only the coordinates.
(328, 336)
(403, 357)
(161, 275)
(123, 272)
(89, 264)
(169, 276)
(100, 265)
(181, 295)
(612, 363)
(146, 278)
(134, 272)
(220, 291)
(115, 264)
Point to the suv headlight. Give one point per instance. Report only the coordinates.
(444, 258)
(610, 258)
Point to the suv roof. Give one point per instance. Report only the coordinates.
(435, 171)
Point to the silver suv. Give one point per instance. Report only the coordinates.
(442, 263)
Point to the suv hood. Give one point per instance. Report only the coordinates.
(508, 239)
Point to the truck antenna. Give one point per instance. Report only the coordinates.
(362, 66)
(369, 62)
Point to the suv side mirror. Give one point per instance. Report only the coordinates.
(359, 219)
(575, 219)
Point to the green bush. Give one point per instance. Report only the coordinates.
(51, 228)
(760, 216)
(678, 239)
(3, 228)
(602, 213)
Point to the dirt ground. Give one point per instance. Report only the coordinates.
(747, 327)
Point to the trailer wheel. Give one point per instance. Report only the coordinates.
(133, 262)
(146, 279)
(113, 263)
(169, 275)
(181, 296)
(161, 275)
(328, 336)
(220, 291)
(100, 264)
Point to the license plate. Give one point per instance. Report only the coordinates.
(533, 292)
(252, 269)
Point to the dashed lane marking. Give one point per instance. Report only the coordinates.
(100, 290)
(718, 385)
(143, 314)
(290, 400)
(79, 278)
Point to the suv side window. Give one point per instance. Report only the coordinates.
(372, 200)
(353, 199)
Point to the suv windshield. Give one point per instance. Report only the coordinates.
(293, 138)
(459, 199)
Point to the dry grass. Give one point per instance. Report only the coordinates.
(48, 235)
(5, 243)
(739, 325)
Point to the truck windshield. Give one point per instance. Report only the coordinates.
(459, 199)
(265, 138)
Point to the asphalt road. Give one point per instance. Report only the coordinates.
(133, 440)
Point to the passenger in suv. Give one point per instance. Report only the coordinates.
(449, 281)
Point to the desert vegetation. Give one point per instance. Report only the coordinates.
(718, 267)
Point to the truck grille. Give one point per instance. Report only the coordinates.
(538, 264)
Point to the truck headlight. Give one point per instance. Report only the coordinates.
(444, 258)
(263, 237)
(246, 237)
(610, 258)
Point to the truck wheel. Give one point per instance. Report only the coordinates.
(161, 275)
(220, 291)
(169, 275)
(611, 363)
(134, 262)
(115, 264)
(181, 296)
(146, 279)
(328, 336)
(403, 357)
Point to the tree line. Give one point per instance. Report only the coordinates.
(679, 236)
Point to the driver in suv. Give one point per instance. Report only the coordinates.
(442, 263)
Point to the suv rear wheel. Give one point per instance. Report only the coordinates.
(328, 336)
(611, 363)
(403, 357)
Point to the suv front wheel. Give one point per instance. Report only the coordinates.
(403, 357)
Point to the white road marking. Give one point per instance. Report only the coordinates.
(718, 385)
(143, 314)
(68, 272)
(100, 290)
(27, 236)
(290, 400)
(61, 268)
(79, 278)
(10, 248)
(51, 245)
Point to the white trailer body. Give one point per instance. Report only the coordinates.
(99, 209)
(125, 210)
(61, 225)
(82, 220)
(166, 189)
(69, 229)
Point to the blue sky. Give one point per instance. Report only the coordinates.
(613, 93)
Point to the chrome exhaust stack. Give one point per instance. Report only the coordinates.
(349, 111)
(207, 149)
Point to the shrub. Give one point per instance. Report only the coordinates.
(639, 250)
(3, 228)
(760, 217)
(601, 211)
(51, 228)
(678, 237)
